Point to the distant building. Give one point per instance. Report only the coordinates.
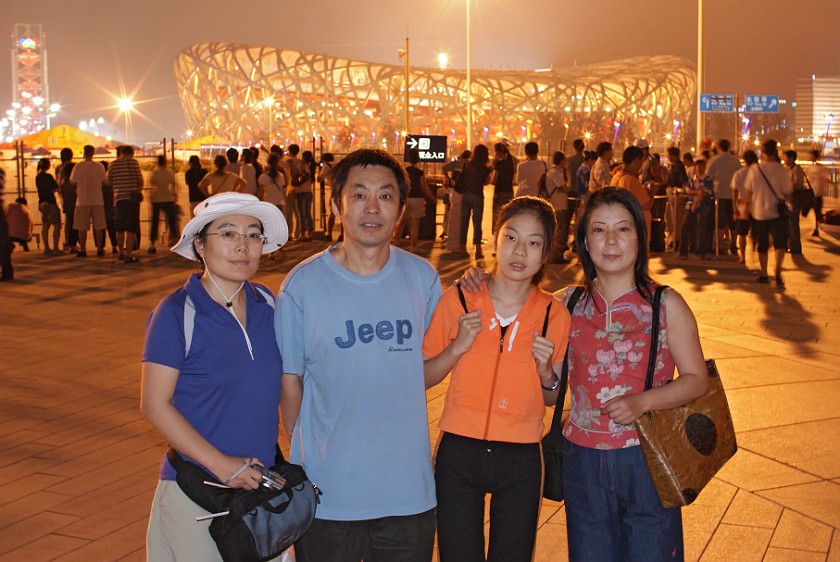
(250, 94)
(818, 109)
(30, 87)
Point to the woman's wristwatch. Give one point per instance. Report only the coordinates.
(553, 387)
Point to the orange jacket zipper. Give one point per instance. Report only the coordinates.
(493, 386)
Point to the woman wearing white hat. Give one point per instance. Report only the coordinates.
(211, 367)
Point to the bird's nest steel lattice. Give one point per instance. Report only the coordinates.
(249, 93)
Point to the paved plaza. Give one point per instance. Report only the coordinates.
(78, 464)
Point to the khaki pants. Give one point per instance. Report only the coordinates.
(174, 534)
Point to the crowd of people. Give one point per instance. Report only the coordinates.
(108, 196)
(704, 206)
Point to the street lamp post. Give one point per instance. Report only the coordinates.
(469, 83)
(404, 54)
(125, 105)
(701, 125)
(52, 112)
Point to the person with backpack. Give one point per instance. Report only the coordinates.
(554, 187)
(504, 346)
(211, 367)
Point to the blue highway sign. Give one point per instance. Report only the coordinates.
(761, 104)
(717, 103)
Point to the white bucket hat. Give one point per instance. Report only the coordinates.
(274, 224)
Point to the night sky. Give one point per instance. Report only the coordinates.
(752, 46)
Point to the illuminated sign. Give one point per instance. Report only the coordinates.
(432, 148)
(27, 43)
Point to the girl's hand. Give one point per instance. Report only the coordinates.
(542, 350)
(626, 409)
(469, 324)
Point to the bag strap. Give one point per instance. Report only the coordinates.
(461, 297)
(556, 419)
(804, 175)
(654, 335)
(545, 321)
(770, 185)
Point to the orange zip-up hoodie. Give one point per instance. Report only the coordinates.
(494, 390)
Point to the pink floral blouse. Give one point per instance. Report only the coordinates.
(608, 357)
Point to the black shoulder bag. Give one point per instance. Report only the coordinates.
(552, 443)
(252, 525)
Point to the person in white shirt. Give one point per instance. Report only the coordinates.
(557, 193)
(163, 201)
(721, 168)
(248, 172)
(600, 176)
(529, 171)
(818, 178)
(87, 177)
(769, 185)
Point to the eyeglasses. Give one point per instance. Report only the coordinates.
(232, 237)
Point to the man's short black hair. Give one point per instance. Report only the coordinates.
(770, 148)
(578, 145)
(366, 157)
(674, 151)
(723, 145)
(532, 148)
(632, 153)
(232, 155)
(294, 149)
(603, 148)
(88, 150)
(791, 154)
(750, 157)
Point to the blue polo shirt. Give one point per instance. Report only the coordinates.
(229, 398)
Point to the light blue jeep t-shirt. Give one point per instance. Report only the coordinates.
(362, 435)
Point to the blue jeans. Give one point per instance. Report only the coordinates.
(409, 538)
(304, 203)
(612, 511)
(471, 203)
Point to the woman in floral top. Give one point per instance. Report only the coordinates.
(612, 510)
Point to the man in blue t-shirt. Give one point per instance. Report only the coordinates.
(350, 322)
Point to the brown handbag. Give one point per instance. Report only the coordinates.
(684, 447)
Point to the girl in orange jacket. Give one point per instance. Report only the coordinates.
(504, 347)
